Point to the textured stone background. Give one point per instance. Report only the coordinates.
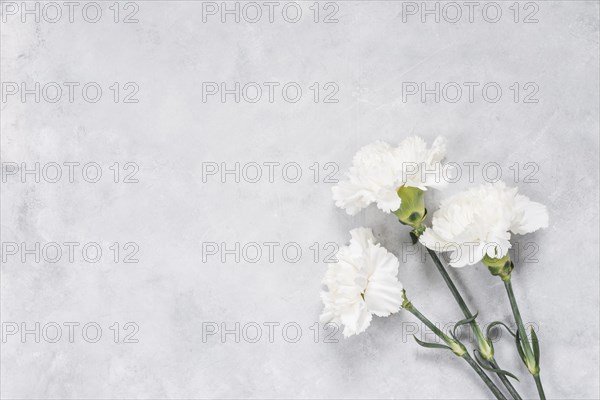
(170, 213)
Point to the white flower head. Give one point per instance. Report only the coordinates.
(361, 283)
(378, 170)
(479, 222)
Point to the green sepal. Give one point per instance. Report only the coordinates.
(494, 370)
(520, 348)
(536, 346)
(530, 361)
(431, 345)
(412, 207)
(406, 304)
(501, 267)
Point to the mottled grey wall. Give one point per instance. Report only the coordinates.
(164, 128)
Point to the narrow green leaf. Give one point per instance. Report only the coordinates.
(536, 346)
(493, 324)
(463, 322)
(467, 320)
(431, 345)
(484, 365)
(520, 348)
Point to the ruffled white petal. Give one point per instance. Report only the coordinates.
(529, 216)
(351, 197)
(363, 282)
(480, 221)
(462, 255)
(378, 170)
(388, 200)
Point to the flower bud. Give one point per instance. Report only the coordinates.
(501, 267)
(412, 206)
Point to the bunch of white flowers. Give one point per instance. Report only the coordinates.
(475, 225)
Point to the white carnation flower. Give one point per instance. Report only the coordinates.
(363, 282)
(379, 170)
(479, 222)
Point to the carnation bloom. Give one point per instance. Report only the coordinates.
(361, 283)
(479, 222)
(379, 170)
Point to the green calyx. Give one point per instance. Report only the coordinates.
(501, 267)
(406, 304)
(486, 348)
(412, 210)
(457, 347)
(529, 352)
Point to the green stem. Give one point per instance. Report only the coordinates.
(413, 310)
(484, 348)
(511, 389)
(493, 388)
(450, 283)
(540, 389)
(457, 348)
(529, 359)
(517, 315)
(457, 296)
